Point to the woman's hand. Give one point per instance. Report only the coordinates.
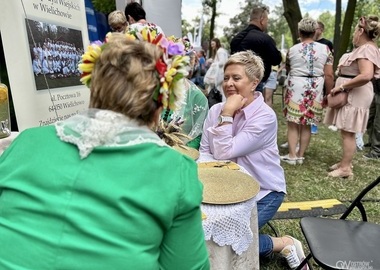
(336, 90)
(233, 104)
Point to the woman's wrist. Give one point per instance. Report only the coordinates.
(226, 112)
(342, 88)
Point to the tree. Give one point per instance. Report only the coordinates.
(104, 6)
(187, 27)
(278, 27)
(346, 31)
(241, 20)
(210, 5)
(292, 13)
(328, 20)
(338, 19)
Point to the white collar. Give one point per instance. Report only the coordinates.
(94, 127)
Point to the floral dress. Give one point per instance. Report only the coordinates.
(304, 89)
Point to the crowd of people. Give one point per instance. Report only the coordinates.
(56, 58)
(106, 153)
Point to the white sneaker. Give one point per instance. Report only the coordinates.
(290, 254)
(294, 254)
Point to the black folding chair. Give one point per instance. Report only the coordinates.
(342, 243)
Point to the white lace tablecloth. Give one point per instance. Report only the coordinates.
(231, 233)
(222, 242)
(229, 224)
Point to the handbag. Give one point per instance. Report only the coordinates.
(338, 100)
(214, 97)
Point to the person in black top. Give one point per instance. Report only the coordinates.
(254, 38)
(318, 36)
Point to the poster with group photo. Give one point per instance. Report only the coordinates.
(55, 52)
(43, 42)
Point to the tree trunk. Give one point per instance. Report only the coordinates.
(338, 19)
(210, 5)
(213, 16)
(292, 13)
(342, 44)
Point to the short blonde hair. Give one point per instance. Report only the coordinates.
(307, 26)
(254, 66)
(124, 78)
(117, 19)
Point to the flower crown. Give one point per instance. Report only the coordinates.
(171, 68)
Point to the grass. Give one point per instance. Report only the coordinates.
(310, 181)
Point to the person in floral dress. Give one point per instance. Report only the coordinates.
(309, 67)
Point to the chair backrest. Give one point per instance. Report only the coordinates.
(357, 202)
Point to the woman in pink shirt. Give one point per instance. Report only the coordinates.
(244, 129)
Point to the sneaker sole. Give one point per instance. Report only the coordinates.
(290, 162)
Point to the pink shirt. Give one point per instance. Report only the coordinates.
(251, 141)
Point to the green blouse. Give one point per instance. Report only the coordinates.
(120, 207)
(193, 113)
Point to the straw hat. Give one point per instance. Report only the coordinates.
(219, 164)
(188, 151)
(225, 186)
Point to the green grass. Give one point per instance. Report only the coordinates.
(310, 181)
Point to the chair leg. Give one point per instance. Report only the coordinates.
(305, 261)
(273, 229)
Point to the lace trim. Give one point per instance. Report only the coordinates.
(94, 128)
(229, 224)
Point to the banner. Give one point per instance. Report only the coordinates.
(43, 41)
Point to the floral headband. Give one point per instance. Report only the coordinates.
(171, 68)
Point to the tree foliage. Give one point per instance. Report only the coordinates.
(328, 20)
(241, 20)
(210, 7)
(292, 13)
(104, 6)
(279, 28)
(346, 30)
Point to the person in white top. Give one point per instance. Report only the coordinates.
(219, 58)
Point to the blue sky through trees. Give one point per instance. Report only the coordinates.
(229, 8)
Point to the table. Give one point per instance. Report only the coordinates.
(226, 251)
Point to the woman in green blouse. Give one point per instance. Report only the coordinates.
(100, 190)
